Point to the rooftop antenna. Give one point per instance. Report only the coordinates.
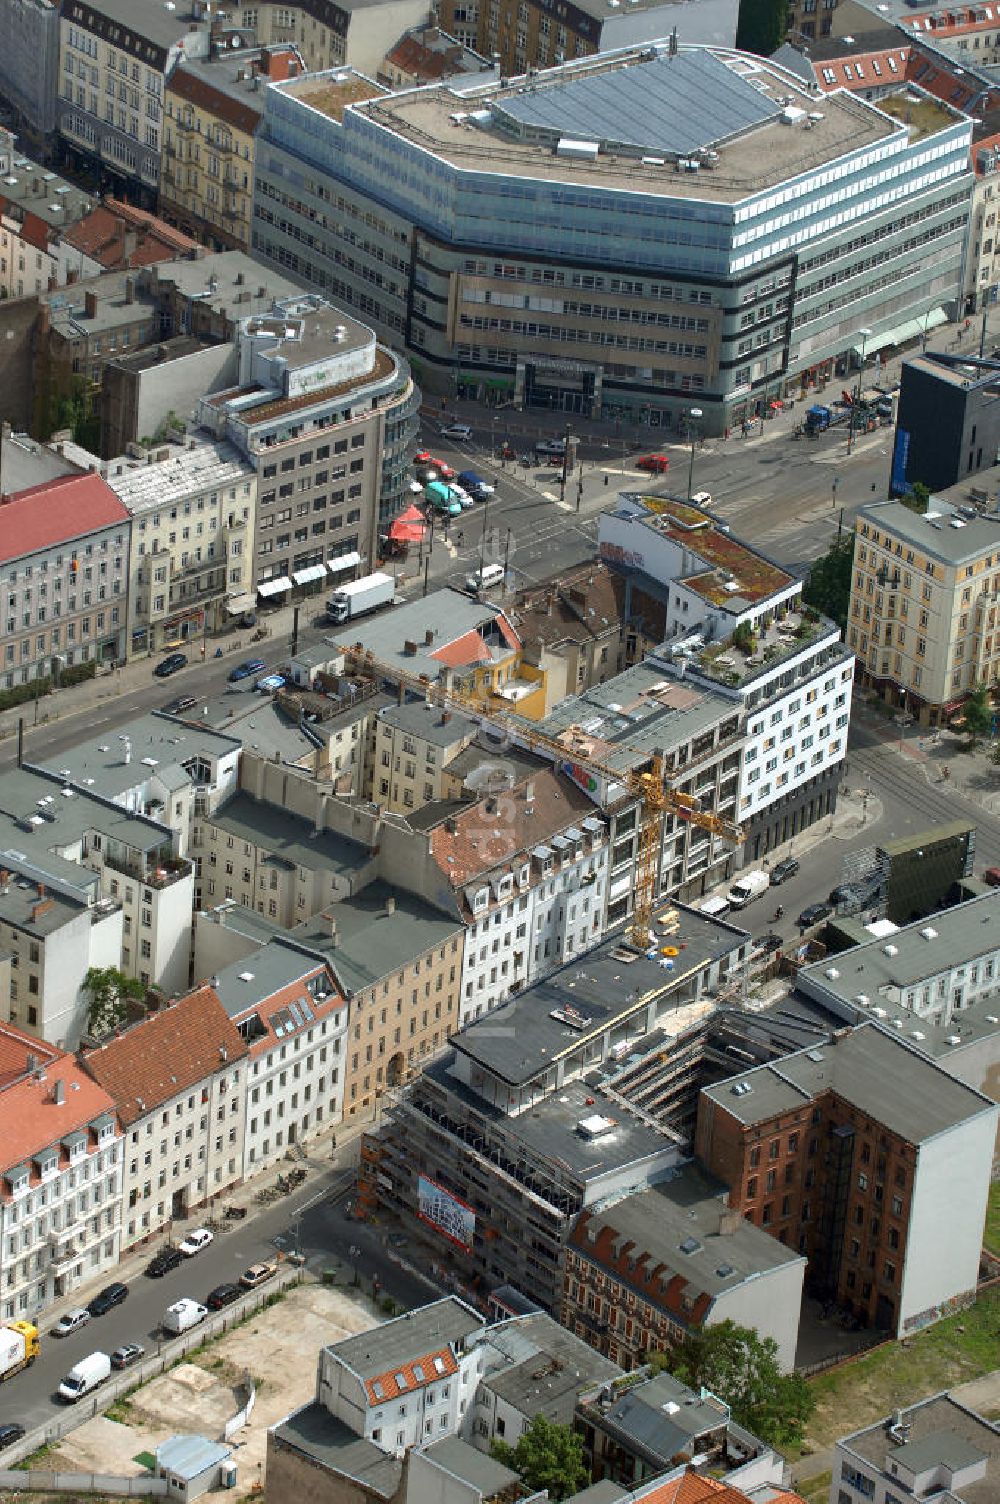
(673, 43)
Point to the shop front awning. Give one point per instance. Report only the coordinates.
(310, 573)
(346, 561)
(274, 587)
(912, 329)
(238, 605)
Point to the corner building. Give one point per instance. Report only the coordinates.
(622, 236)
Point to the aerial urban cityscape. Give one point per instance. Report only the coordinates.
(500, 751)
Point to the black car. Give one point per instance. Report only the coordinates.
(167, 1259)
(170, 665)
(813, 913)
(768, 943)
(178, 706)
(782, 871)
(223, 1295)
(105, 1300)
(10, 1432)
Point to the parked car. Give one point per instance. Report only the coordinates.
(768, 943)
(105, 1300)
(127, 1354)
(813, 913)
(195, 1241)
(257, 1274)
(170, 665)
(456, 431)
(178, 706)
(656, 464)
(550, 446)
(161, 1263)
(782, 871)
(72, 1321)
(271, 683)
(245, 669)
(424, 457)
(222, 1295)
(992, 877)
(10, 1432)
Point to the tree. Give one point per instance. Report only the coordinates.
(547, 1455)
(741, 1368)
(110, 991)
(978, 714)
(762, 25)
(828, 587)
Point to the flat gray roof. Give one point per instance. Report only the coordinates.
(22, 788)
(520, 1039)
(685, 1210)
(229, 296)
(201, 464)
(448, 615)
(318, 1435)
(439, 1324)
(253, 980)
(870, 1068)
(148, 18)
(474, 1467)
(540, 1367)
(290, 839)
(68, 310)
(941, 1430)
(932, 532)
(21, 898)
(440, 728)
(24, 462)
(485, 760)
(37, 190)
(168, 741)
(371, 943)
(256, 721)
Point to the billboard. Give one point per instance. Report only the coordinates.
(445, 1212)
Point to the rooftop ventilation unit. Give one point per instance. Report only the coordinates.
(581, 151)
(929, 933)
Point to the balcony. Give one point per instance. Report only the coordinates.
(162, 872)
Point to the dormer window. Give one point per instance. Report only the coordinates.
(523, 876)
(481, 900)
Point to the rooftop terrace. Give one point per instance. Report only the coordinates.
(331, 93)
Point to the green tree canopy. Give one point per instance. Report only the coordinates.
(741, 1368)
(547, 1455)
(828, 587)
(762, 25)
(978, 713)
(110, 990)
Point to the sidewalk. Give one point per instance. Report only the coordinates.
(943, 756)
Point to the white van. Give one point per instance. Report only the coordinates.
(183, 1315)
(486, 578)
(85, 1376)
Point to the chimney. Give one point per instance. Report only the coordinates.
(90, 305)
(41, 890)
(729, 1221)
(445, 717)
(31, 1063)
(130, 289)
(130, 244)
(59, 1092)
(390, 906)
(428, 637)
(410, 649)
(333, 929)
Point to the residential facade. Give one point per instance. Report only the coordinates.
(29, 70)
(414, 743)
(817, 1149)
(704, 310)
(61, 1190)
(64, 557)
(193, 508)
(36, 207)
(923, 610)
(178, 1082)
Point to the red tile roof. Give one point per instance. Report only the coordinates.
(15, 1047)
(426, 64)
(241, 114)
(57, 511)
(278, 1004)
(101, 236)
(843, 72)
(495, 831)
(694, 1488)
(429, 1374)
(166, 1054)
(464, 650)
(30, 1117)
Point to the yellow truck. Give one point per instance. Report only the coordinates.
(19, 1347)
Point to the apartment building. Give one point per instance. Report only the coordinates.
(291, 1016)
(642, 1275)
(115, 57)
(856, 1153)
(736, 621)
(325, 414)
(492, 1152)
(64, 556)
(698, 304)
(212, 108)
(178, 1082)
(573, 628)
(528, 870)
(29, 70)
(426, 54)
(923, 611)
(414, 743)
(982, 261)
(36, 208)
(61, 1191)
(193, 507)
(327, 33)
(937, 1446)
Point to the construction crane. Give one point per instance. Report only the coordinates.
(649, 785)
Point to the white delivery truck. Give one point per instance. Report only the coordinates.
(85, 1376)
(747, 887)
(183, 1315)
(361, 596)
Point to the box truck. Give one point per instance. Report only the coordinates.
(747, 887)
(85, 1376)
(19, 1347)
(360, 597)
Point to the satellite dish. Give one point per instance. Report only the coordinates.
(236, 42)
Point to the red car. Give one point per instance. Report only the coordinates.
(657, 464)
(426, 458)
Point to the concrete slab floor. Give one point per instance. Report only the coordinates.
(278, 1346)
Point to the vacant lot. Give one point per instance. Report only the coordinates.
(277, 1346)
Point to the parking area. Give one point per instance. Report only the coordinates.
(277, 1347)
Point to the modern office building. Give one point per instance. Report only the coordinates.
(947, 424)
(924, 599)
(625, 235)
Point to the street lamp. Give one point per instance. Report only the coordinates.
(865, 336)
(695, 415)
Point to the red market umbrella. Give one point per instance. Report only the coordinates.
(409, 527)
